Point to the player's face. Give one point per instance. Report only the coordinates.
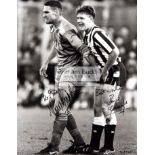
(84, 21)
(51, 14)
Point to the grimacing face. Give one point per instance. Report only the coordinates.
(51, 14)
(84, 21)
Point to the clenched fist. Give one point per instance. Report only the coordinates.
(43, 70)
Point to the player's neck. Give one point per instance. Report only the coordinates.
(90, 27)
(57, 24)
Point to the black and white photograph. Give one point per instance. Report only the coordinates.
(77, 77)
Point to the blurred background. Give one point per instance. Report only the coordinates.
(117, 17)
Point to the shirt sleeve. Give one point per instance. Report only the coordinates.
(102, 40)
(77, 43)
(73, 39)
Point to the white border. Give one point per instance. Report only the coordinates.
(146, 77)
(8, 77)
(8, 63)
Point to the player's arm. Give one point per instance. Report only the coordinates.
(77, 43)
(50, 56)
(112, 58)
(110, 50)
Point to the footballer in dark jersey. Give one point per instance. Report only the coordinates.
(70, 51)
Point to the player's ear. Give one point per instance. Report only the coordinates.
(91, 18)
(60, 11)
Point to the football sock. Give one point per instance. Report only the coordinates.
(73, 130)
(96, 136)
(109, 136)
(58, 128)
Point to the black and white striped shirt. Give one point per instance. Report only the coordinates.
(100, 44)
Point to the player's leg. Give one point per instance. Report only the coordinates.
(70, 79)
(74, 131)
(109, 133)
(58, 129)
(78, 143)
(59, 108)
(65, 93)
(111, 89)
(98, 122)
(71, 123)
(97, 125)
(109, 97)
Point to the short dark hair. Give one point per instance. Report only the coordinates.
(53, 3)
(86, 9)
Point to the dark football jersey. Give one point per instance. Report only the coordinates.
(68, 55)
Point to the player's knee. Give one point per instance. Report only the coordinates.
(98, 112)
(97, 105)
(61, 116)
(113, 119)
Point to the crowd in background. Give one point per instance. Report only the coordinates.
(31, 87)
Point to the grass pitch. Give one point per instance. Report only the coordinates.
(35, 128)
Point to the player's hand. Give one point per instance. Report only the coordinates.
(104, 75)
(43, 70)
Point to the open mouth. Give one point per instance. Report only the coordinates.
(80, 24)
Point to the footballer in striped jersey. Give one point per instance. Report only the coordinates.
(105, 55)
